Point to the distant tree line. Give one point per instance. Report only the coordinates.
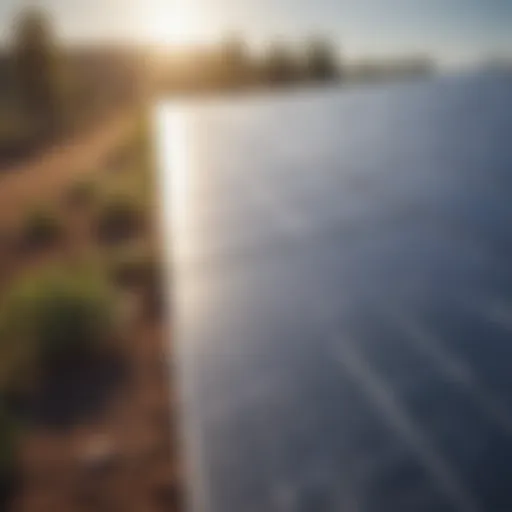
(232, 65)
(47, 89)
(36, 69)
(56, 89)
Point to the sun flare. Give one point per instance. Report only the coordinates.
(174, 24)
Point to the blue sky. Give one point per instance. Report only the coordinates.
(453, 30)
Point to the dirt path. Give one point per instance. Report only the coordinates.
(42, 177)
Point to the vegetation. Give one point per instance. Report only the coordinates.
(139, 269)
(41, 227)
(56, 315)
(134, 266)
(231, 65)
(280, 65)
(321, 61)
(37, 74)
(119, 217)
(81, 192)
(234, 62)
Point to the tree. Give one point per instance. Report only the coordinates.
(280, 65)
(229, 64)
(321, 60)
(36, 68)
(235, 57)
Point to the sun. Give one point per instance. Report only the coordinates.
(174, 24)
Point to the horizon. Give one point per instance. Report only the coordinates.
(452, 32)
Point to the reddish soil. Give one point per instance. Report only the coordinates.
(44, 175)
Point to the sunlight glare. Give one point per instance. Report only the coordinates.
(173, 148)
(174, 23)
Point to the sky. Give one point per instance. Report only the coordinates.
(450, 30)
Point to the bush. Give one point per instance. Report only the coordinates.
(53, 317)
(133, 267)
(41, 228)
(120, 217)
(139, 269)
(82, 192)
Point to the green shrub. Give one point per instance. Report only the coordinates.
(41, 227)
(52, 317)
(120, 217)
